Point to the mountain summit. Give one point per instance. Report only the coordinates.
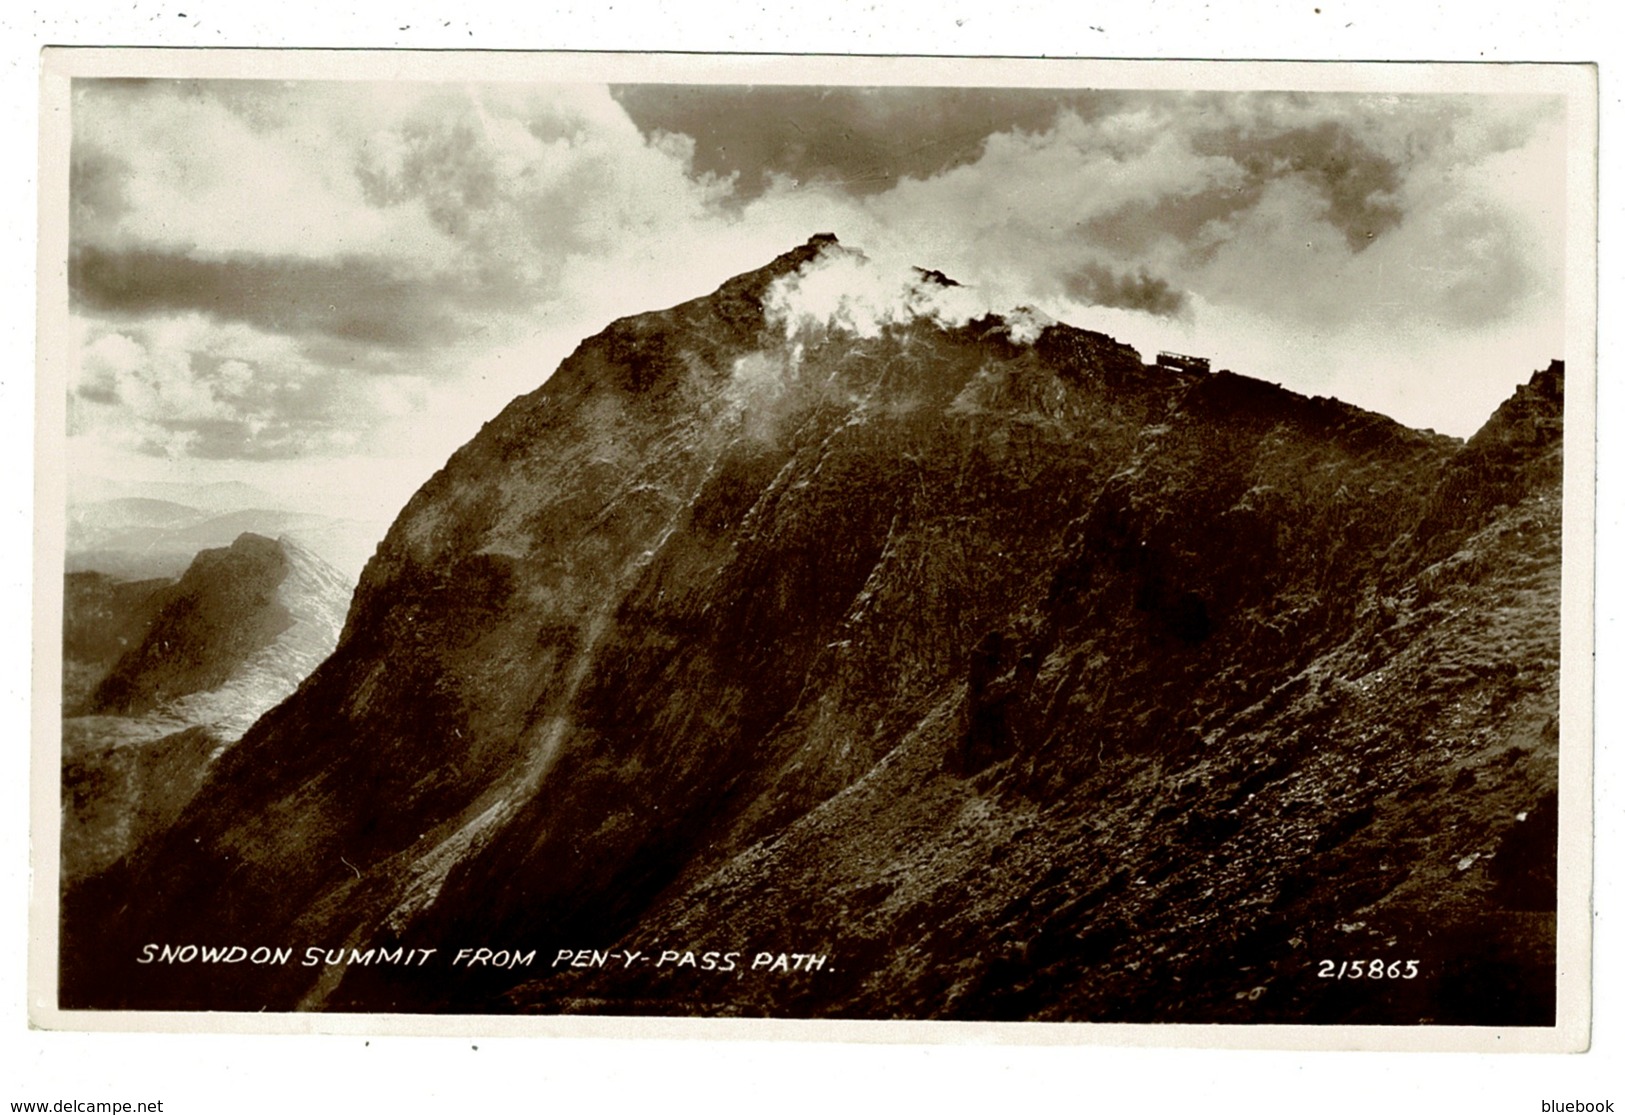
(975, 664)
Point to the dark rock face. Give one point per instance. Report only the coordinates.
(1022, 680)
(103, 618)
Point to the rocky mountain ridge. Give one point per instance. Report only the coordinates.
(161, 676)
(1019, 677)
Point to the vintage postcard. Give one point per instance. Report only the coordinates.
(880, 548)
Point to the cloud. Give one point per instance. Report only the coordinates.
(1097, 285)
(844, 290)
(358, 300)
(861, 140)
(1355, 184)
(232, 168)
(1461, 255)
(526, 182)
(184, 387)
(1319, 240)
(354, 232)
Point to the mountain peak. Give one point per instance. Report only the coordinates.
(1532, 415)
(816, 246)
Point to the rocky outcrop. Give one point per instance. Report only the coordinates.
(160, 677)
(219, 614)
(1019, 677)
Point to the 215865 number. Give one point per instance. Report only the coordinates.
(1369, 969)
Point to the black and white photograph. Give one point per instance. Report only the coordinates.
(817, 541)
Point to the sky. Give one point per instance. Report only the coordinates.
(323, 288)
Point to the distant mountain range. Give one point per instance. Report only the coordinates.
(977, 665)
(216, 497)
(136, 537)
